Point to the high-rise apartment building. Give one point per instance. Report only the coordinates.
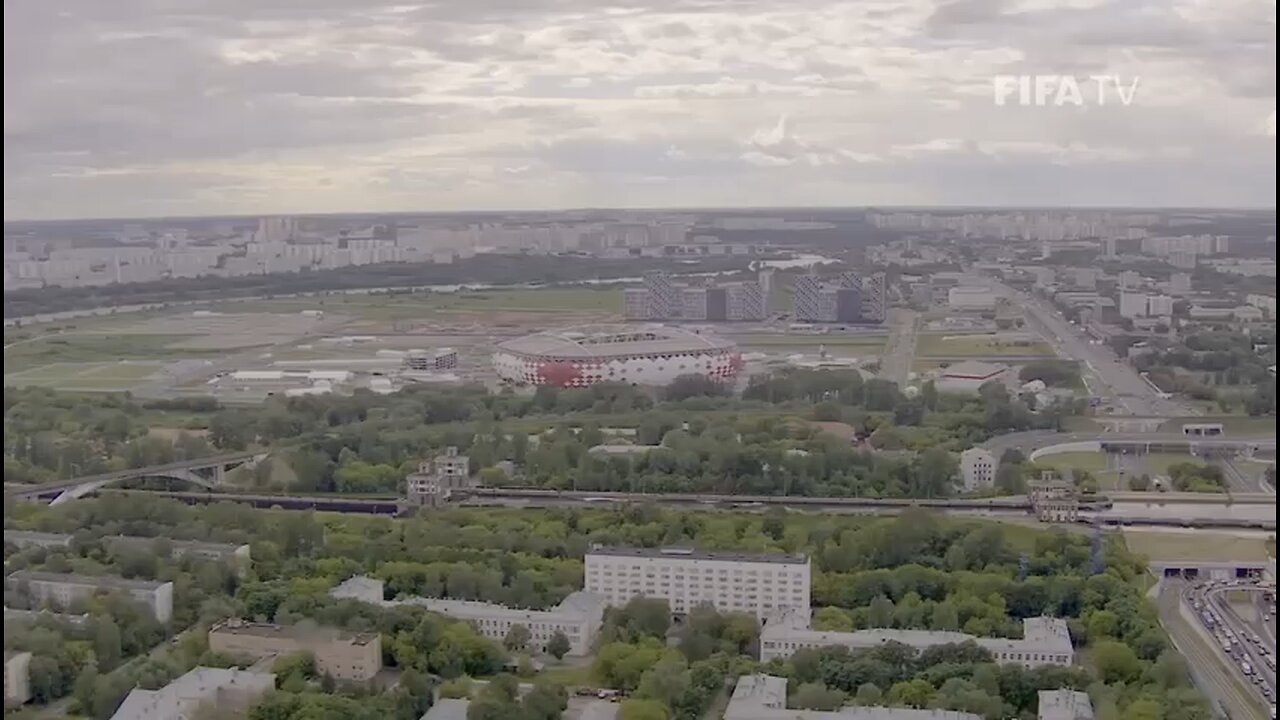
(661, 299)
(1159, 305)
(756, 583)
(847, 298)
(977, 468)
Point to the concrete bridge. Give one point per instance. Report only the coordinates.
(207, 472)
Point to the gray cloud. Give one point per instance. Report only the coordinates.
(206, 106)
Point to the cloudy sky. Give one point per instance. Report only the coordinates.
(180, 107)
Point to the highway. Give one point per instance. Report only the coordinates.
(1208, 666)
(895, 363)
(1107, 375)
(1228, 611)
(1031, 440)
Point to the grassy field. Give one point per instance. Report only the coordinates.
(407, 306)
(109, 376)
(977, 346)
(1159, 463)
(69, 348)
(1095, 463)
(1196, 545)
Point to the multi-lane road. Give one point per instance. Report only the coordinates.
(1107, 375)
(1239, 617)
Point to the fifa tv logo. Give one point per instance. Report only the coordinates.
(1064, 90)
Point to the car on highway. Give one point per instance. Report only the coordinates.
(1246, 668)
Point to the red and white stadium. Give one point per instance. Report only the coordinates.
(644, 355)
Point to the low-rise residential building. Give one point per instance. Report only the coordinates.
(977, 468)
(62, 589)
(17, 678)
(217, 692)
(1064, 705)
(16, 615)
(764, 697)
(355, 657)
(30, 538)
(1045, 640)
(756, 583)
(579, 616)
(233, 553)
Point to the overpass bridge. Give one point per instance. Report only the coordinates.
(1040, 442)
(207, 472)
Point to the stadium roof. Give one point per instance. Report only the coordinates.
(590, 341)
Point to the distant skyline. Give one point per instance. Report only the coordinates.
(146, 108)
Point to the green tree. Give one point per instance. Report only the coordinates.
(816, 696)
(880, 612)
(517, 638)
(868, 694)
(832, 618)
(1115, 661)
(558, 646)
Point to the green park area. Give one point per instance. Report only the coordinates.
(937, 345)
(94, 349)
(400, 306)
(1198, 545)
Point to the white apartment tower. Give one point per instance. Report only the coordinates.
(977, 468)
(756, 583)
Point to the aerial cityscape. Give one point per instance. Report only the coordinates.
(675, 360)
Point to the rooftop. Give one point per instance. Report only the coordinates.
(580, 605)
(212, 548)
(272, 630)
(20, 537)
(973, 369)
(113, 582)
(1064, 705)
(183, 697)
(448, 709)
(595, 340)
(686, 553)
(764, 697)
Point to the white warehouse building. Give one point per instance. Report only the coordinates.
(971, 297)
(60, 590)
(1045, 640)
(579, 616)
(756, 583)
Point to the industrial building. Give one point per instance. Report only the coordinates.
(977, 469)
(756, 583)
(969, 375)
(846, 298)
(661, 299)
(438, 478)
(63, 589)
(1045, 640)
(354, 657)
(764, 697)
(226, 692)
(585, 355)
(579, 616)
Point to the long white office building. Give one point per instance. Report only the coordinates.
(1045, 640)
(62, 589)
(758, 583)
(764, 697)
(579, 616)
